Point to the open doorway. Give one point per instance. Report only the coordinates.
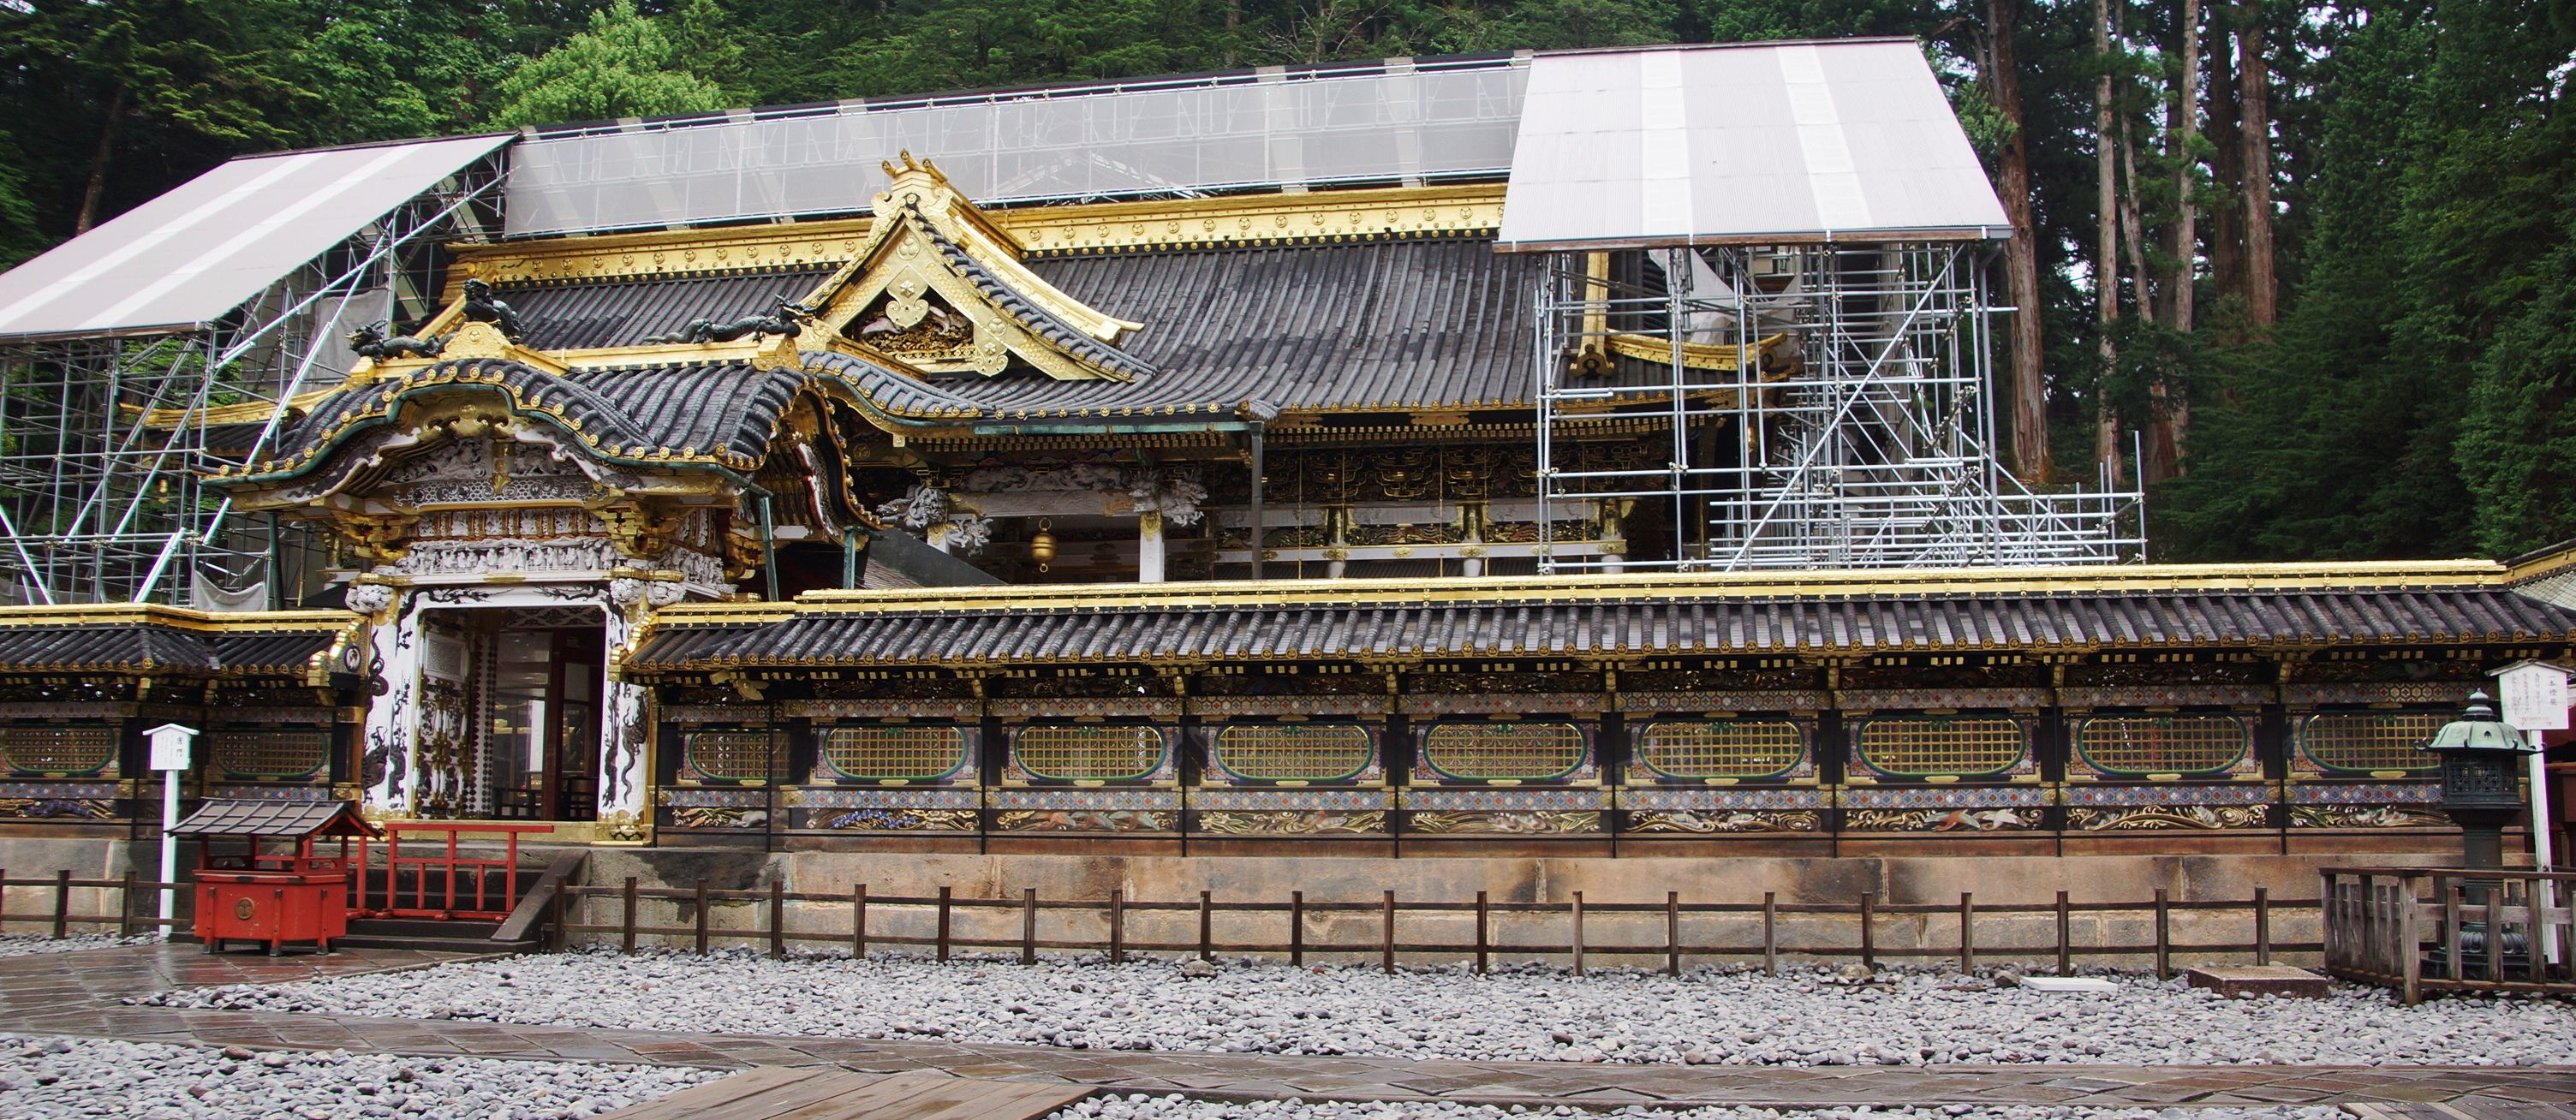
(510, 712)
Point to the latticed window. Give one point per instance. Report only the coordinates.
(1935, 746)
(57, 749)
(270, 752)
(727, 756)
(2164, 744)
(1732, 748)
(2366, 741)
(1485, 752)
(1081, 752)
(1292, 752)
(890, 753)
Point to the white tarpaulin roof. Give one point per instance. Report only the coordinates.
(184, 259)
(1382, 122)
(1772, 142)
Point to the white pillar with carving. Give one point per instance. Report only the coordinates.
(627, 734)
(392, 671)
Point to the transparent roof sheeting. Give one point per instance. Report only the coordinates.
(1769, 142)
(1387, 123)
(192, 255)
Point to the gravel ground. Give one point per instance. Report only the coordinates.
(1176, 1107)
(41, 1078)
(22, 944)
(1734, 1018)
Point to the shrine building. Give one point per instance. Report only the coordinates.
(1573, 455)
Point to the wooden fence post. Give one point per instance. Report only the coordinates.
(943, 923)
(1770, 933)
(702, 917)
(1118, 926)
(1967, 931)
(1577, 914)
(1387, 941)
(1868, 936)
(62, 904)
(1028, 925)
(2164, 937)
(1207, 926)
(858, 921)
(2065, 937)
(1296, 929)
(125, 907)
(1672, 933)
(2262, 925)
(1481, 916)
(626, 934)
(4, 896)
(778, 919)
(555, 905)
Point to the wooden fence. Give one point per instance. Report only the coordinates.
(1297, 938)
(2449, 929)
(55, 892)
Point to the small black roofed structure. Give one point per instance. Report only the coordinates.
(248, 819)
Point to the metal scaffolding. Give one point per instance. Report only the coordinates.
(105, 439)
(1822, 406)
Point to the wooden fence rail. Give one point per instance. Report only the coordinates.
(1298, 940)
(2449, 929)
(58, 917)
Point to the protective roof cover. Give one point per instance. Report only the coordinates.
(184, 259)
(1428, 120)
(1755, 143)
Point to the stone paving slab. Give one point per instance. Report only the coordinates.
(78, 994)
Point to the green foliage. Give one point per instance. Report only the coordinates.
(624, 65)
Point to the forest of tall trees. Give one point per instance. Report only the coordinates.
(2315, 256)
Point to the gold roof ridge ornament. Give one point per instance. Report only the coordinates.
(941, 287)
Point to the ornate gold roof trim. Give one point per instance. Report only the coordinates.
(1189, 223)
(181, 618)
(1842, 583)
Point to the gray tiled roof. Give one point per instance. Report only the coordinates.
(243, 818)
(1646, 624)
(131, 645)
(585, 314)
(719, 407)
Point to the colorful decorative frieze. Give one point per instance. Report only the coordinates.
(2367, 805)
(2164, 696)
(1221, 707)
(1292, 812)
(751, 715)
(59, 801)
(724, 808)
(1903, 699)
(1675, 810)
(1085, 810)
(2447, 694)
(2102, 808)
(1471, 703)
(1945, 808)
(865, 809)
(1726, 700)
(1082, 707)
(1505, 811)
(884, 708)
(273, 791)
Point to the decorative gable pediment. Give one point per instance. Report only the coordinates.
(942, 289)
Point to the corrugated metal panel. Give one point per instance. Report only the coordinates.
(186, 258)
(574, 316)
(1644, 626)
(1429, 119)
(1771, 142)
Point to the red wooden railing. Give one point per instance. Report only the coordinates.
(447, 862)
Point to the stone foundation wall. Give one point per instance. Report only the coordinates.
(1930, 937)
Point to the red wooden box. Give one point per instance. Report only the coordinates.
(273, 907)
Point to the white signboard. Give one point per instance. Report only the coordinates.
(170, 746)
(2535, 696)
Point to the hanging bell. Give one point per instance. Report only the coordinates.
(1042, 545)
